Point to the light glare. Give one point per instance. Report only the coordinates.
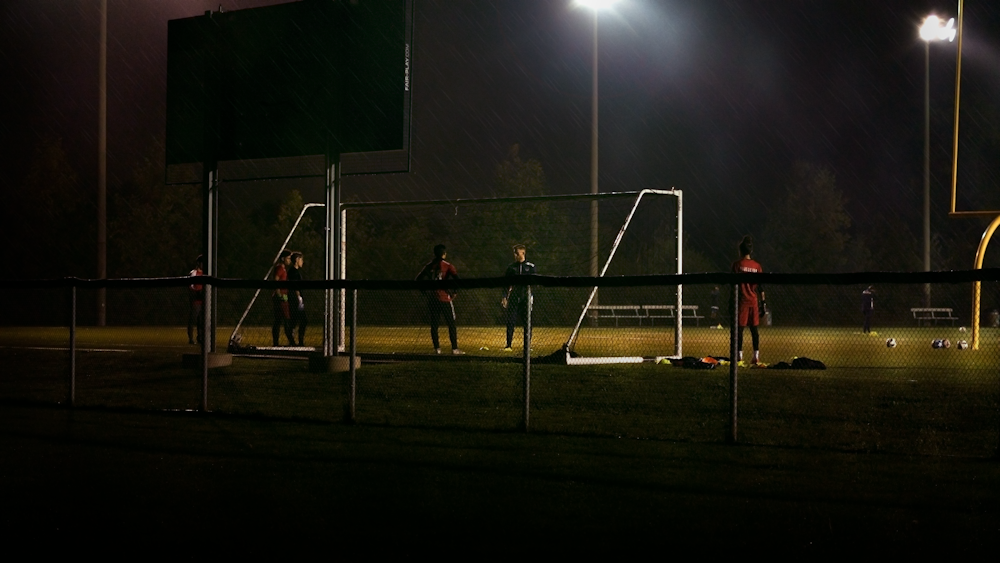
(596, 5)
(934, 29)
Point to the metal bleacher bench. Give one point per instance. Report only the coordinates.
(640, 312)
(931, 315)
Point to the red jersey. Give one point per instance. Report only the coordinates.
(438, 269)
(280, 274)
(195, 289)
(748, 291)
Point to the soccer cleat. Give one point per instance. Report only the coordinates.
(508, 349)
(437, 350)
(456, 352)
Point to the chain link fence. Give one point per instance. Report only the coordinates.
(920, 380)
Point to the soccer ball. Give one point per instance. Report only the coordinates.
(940, 343)
(890, 343)
(961, 329)
(963, 345)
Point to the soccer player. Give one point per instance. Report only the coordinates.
(867, 307)
(279, 300)
(748, 311)
(515, 298)
(297, 304)
(439, 301)
(715, 303)
(196, 300)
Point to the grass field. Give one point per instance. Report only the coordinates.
(908, 399)
(837, 347)
(621, 459)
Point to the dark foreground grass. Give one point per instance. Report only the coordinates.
(148, 484)
(907, 410)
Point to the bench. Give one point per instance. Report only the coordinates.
(931, 315)
(640, 312)
(617, 312)
(688, 312)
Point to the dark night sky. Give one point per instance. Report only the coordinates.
(715, 97)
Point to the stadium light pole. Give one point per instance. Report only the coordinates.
(102, 165)
(596, 6)
(933, 29)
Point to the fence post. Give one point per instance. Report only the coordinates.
(206, 343)
(353, 355)
(72, 345)
(527, 362)
(733, 355)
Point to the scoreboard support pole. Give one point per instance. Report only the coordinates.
(334, 313)
(211, 263)
(734, 352)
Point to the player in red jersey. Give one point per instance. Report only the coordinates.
(279, 300)
(748, 311)
(196, 300)
(439, 301)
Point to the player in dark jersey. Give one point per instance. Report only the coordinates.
(515, 298)
(868, 307)
(279, 300)
(748, 311)
(439, 301)
(297, 305)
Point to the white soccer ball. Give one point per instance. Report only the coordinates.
(961, 329)
(963, 345)
(890, 343)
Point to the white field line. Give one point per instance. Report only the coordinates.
(65, 349)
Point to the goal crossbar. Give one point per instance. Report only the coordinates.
(511, 199)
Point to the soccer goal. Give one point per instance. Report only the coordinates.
(641, 311)
(640, 233)
(252, 333)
